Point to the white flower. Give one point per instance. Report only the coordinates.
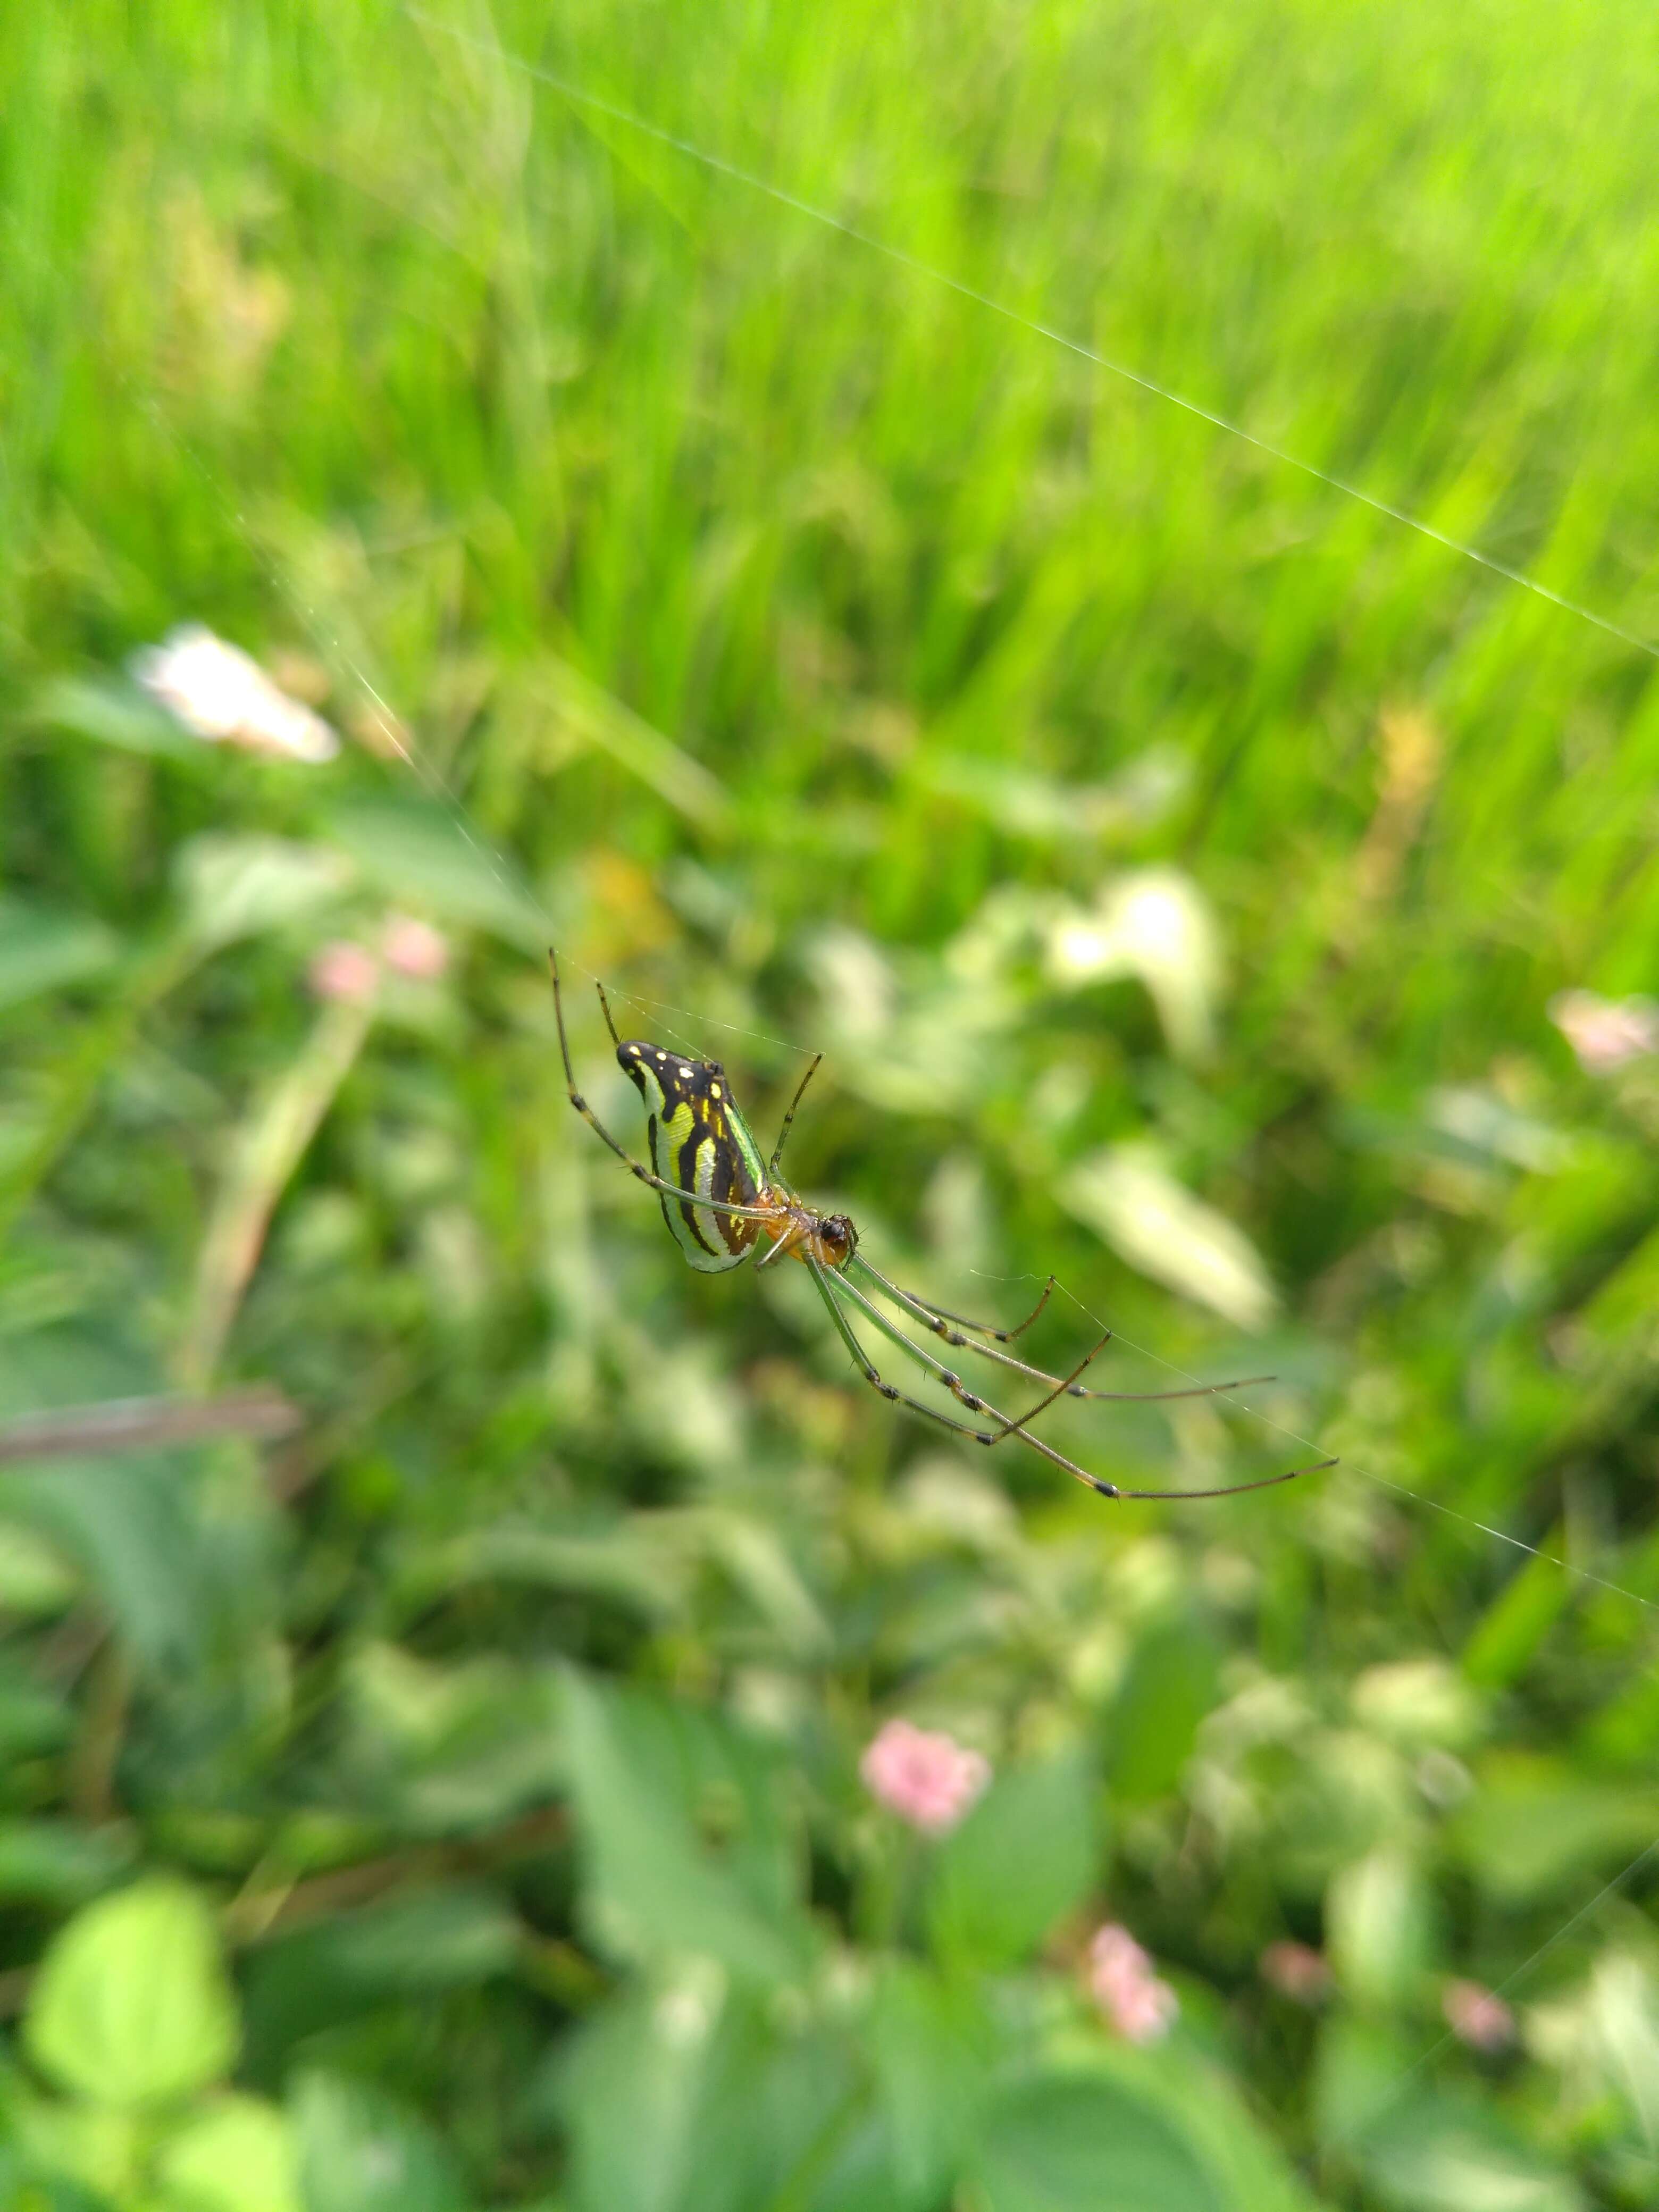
(222, 695)
(1153, 923)
(1606, 1033)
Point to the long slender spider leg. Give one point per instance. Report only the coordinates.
(1058, 1390)
(920, 1310)
(800, 1092)
(985, 1327)
(1228, 1490)
(604, 1003)
(1094, 1482)
(935, 1317)
(868, 1368)
(1163, 1397)
(839, 1283)
(644, 1173)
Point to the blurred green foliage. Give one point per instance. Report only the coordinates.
(458, 1805)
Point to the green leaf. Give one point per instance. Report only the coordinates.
(42, 950)
(1532, 1829)
(598, 717)
(861, 2174)
(95, 2148)
(32, 1719)
(1198, 2101)
(655, 1883)
(420, 856)
(132, 2006)
(629, 1564)
(1171, 1684)
(237, 2155)
(126, 1522)
(1075, 2142)
(1516, 1622)
(1379, 1921)
(36, 1581)
(1127, 1194)
(1441, 2152)
(54, 1863)
(633, 2087)
(360, 2152)
(683, 2097)
(236, 887)
(1358, 2072)
(1023, 1857)
(114, 712)
(440, 1750)
(449, 1938)
(928, 2045)
(21, 2190)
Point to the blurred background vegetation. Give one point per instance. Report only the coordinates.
(455, 1803)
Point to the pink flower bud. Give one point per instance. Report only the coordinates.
(929, 1780)
(1478, 2016)
(1135, 2003)
(345, 971)
(414, 948)
(1295, 1971)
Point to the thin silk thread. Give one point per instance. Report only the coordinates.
(434, 784)
(1294, 1436)
(717, 163)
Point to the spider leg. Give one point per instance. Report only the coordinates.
(604, 1003)
(1010, 1427)
(800, 1092)
(936, 1319)
(1059, 1391)
(985, 1327)
(839, 1283)
(866, 1366)
(645, 1175)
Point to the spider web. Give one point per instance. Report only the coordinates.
(513, 880)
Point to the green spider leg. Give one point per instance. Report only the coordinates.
(985, 1327)
(831, 1285)
(935, 1318)
(800, 1092)
(823, 1276)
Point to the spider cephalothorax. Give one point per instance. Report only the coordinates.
(720, 1200)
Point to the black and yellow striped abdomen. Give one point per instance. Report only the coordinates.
(701, 1142)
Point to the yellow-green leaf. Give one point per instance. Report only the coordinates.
(132, 2006)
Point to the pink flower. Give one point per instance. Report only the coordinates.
(1295, 1971)
(1605, 1033)
(345, 970)
(929, 1780)
(414, 948)
(1136, 2004)
(1477, 2016)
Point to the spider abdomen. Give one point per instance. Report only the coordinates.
(699, 1142)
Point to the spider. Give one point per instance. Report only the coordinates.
(721, 1202)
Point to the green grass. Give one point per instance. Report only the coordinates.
(804, 644)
